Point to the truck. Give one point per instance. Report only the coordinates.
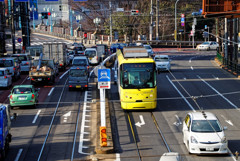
(34, 51)
(57, 52)
(42, 70)
(5, 135)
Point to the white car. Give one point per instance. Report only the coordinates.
(25, 61)
(171, 156)
(149, 49)
(162, 62)
(5, 78)
(203, 134)
(210, 45)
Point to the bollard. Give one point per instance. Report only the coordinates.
(236, 153)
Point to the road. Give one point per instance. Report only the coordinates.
(60, 128)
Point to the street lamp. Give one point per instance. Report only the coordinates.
(97, 21)
(79, 18)
(175, 32)
(33, 9)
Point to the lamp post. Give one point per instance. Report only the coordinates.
(79, 18)
(96, 21)
(33, 9)
(175, 31)
(71, 12)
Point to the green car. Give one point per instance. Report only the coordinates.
(23, 95)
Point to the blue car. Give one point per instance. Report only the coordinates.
(114, 47)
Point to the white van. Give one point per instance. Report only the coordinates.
(24, 60)
(92, 55)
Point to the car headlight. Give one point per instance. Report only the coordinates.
(194, 140)
(224, 140)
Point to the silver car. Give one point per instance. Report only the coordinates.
(5, 78)
(25, 60)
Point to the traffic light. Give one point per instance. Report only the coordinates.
(60, 7)
(103, 136)
(49, 13)
(134, 12)
(44, 15)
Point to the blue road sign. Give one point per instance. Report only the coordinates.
(182, 19)
(104, 75)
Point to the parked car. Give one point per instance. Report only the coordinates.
(24, 95)
(24, 60)
(5, 78)
(149, 49)
(163, 63)
(80, 61)
(13, 66)
(171, 156)
(211, 45)
(203, 133)
(78, 77)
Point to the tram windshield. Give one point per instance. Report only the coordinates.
(137, 75)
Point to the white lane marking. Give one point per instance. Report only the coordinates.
(215, 77)
(51, 91)
(181, 94)
(142, 122)
(218, 93)
(191, 67)
(36, 116)
(118, 157)
(64, 74)
(18, 154)
(81, 138)
(66, 116)
(227, 121)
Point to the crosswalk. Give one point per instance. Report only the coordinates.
(36, 43)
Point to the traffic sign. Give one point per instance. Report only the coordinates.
(104, 78)
(182, 19)
(182, 24)
(182, 15)
(120, 9)
(19, 40)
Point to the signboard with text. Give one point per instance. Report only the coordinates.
(104, 78)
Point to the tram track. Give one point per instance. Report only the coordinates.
(134, 135)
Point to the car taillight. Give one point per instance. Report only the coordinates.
(61, 65)
(87, 67)
(33, 96)
(48, 78)
(85, 85)
(11, 97)
(70, 85)
(14, 68)
(32, 79)
(26, 63)
(97, 57)
(5, 77)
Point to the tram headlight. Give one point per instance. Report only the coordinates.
(126, 96)
(151, 95)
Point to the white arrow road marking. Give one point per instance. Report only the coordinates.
(66, 116)
(36, 116)
(51, 91)
(191, 67)
(227, 121)
(179, 121)
(215, 77)
(142, 122)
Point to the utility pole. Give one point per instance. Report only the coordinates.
(226, 39)
(151, 23)
(2, 31)
(25, 24)
(157, 19)
(13, 25)
(110, 6)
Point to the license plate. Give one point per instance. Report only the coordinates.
(78, 86)
(21, 98)
(209, 149)
(39, 79)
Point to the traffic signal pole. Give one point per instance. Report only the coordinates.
(13, 26)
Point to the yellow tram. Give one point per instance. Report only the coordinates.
(136, 79)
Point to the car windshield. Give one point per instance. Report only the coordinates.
(164, 59)
(205, 43)
(90, 53)
(78, 72)
(22, 90)
(81, 62)
(206, 126)
(147, 47)
(140, 75)
(6, 63)
(1, 73)
(21, 58)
